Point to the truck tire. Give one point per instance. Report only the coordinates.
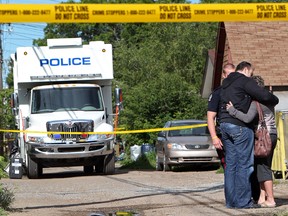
(99, 165)
(34, 170)
(88, 169)
(109, 164)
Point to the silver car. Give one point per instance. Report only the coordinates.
(184, 146)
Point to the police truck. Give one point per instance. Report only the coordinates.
(62, 103)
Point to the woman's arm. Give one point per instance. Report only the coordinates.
(245, 117)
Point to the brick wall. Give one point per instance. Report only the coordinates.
(264, 44)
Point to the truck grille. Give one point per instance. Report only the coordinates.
(69, 126)
(67, 129)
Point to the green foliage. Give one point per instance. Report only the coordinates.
(154, 102)
(161, 68)
(239, 1)
(9, 78)
(7, 119)
(3, 164)
(6, 197)
(3, 212)
(146, 161)
(154, 48)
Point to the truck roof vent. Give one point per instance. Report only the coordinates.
(60, 42)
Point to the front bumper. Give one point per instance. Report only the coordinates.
(193, 160)
(70, 150)
(190, 157)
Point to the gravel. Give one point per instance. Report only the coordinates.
(68, 192)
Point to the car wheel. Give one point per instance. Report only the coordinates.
(166, 166)
(159, 166)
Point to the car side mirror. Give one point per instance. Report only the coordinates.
(161, 134)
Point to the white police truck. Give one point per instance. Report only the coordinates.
(62, 103)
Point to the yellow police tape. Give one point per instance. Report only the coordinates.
(114, 132)
(141, 13)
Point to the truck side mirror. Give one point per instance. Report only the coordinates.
(14, 103)
(26, 122)
(118, 98)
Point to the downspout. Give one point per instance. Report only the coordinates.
(219, 55)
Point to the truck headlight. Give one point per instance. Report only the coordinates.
(94, 137)
(39, 139)
(36, 139)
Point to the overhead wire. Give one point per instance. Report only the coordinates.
(25, 32)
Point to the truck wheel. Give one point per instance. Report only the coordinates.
(99, 165)
(109, 164)
(88, 169)
(35, 170)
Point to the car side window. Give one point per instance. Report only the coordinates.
(200, 131)
(186, 132)
(174, 133)
(195, 131)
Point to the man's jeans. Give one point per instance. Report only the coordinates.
(239, 156)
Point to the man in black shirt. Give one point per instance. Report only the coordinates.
(237, 136)
(213, 115)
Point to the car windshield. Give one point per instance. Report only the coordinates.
(67, 99)
(197, 131)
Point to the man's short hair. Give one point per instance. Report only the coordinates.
(242, 65)
(229, 66)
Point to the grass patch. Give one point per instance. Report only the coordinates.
(220, 170)
(6, 197)
(3, 164)
(276, 182)
(3, 212)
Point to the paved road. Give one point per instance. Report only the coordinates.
(68, 192)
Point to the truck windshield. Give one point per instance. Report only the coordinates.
(67, 99)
